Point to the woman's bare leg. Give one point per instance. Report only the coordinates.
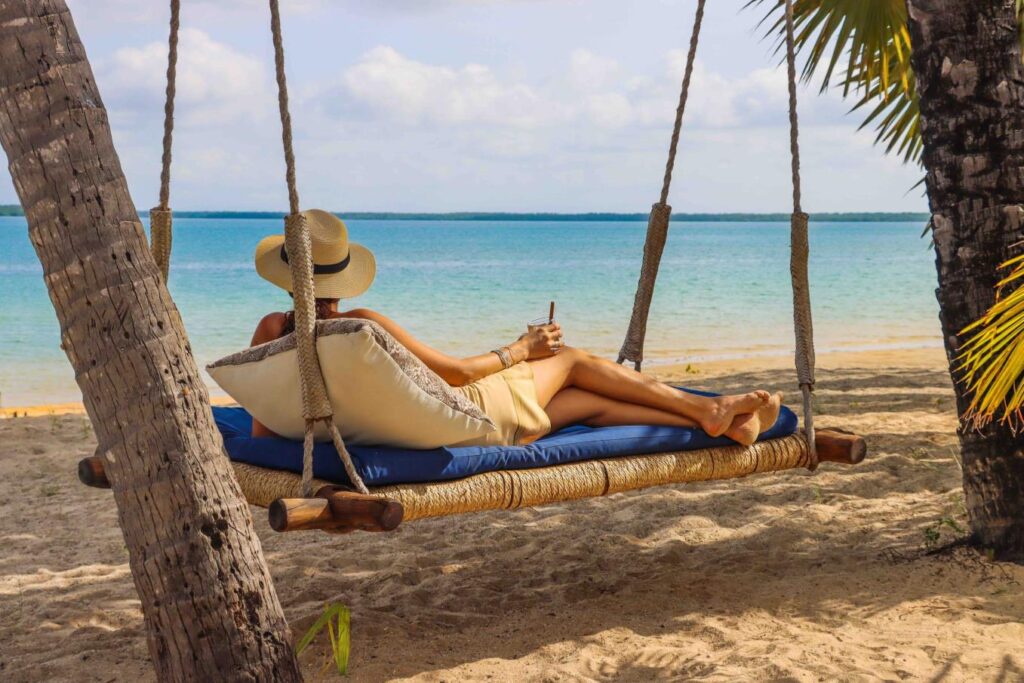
(575, 368)
(577, 406)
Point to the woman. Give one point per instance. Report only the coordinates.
(529, 387)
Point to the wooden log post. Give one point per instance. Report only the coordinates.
(92, 473)
(337, 510)
(840, 446)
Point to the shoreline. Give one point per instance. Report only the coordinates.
(924, 357)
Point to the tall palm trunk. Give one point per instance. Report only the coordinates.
(967, 60)
(210, 608)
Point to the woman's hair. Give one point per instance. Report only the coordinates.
(323, 308)
(323, 311)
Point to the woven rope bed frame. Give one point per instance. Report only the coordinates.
(335, 509)
(511, 489)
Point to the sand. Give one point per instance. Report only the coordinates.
(795, 576)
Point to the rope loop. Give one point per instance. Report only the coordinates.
(309, 443)
(160, 238)
(654, 246)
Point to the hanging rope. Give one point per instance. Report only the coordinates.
(800, 248)
(160, 229)
(316, 406)
(658, 222)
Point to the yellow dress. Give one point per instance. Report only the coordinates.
(509, 398)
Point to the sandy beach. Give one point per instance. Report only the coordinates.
(795, 576)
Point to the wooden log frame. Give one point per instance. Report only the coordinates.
(337, 510)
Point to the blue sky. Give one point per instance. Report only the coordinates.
(441, 105)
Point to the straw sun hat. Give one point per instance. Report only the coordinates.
(341, 269)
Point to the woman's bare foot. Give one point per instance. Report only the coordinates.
(745, 428)
(725, 409)
(768, 414)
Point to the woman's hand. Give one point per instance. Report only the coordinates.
(543, 342)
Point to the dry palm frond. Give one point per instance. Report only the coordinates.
(992, 360)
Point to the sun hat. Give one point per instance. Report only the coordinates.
(341, 269)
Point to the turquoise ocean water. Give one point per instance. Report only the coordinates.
(467, 287)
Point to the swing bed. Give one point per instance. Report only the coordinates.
(328, 487)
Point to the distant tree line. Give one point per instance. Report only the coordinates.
(875, 217)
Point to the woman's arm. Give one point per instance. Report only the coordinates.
(462, 371)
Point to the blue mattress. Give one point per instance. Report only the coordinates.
(380, 466)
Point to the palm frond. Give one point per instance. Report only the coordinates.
(895, 116)
(991, 362)
(863, 48)
(871, 35)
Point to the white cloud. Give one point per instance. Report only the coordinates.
(589, 71)
(216, 84)
(590, 90)
(580, 129)
(411, 92)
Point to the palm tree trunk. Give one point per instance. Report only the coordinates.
(210, 608)
(967, 60)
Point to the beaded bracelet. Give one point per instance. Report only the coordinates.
(504, 356)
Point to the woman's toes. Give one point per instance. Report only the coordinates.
(749, 403)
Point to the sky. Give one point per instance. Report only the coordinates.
(482, 105)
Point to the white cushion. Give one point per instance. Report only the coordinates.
(381, 394)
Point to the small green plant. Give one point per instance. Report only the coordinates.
(336, 618)
(933, 532)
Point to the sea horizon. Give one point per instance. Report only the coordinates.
(466, 287)
(549, 216)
